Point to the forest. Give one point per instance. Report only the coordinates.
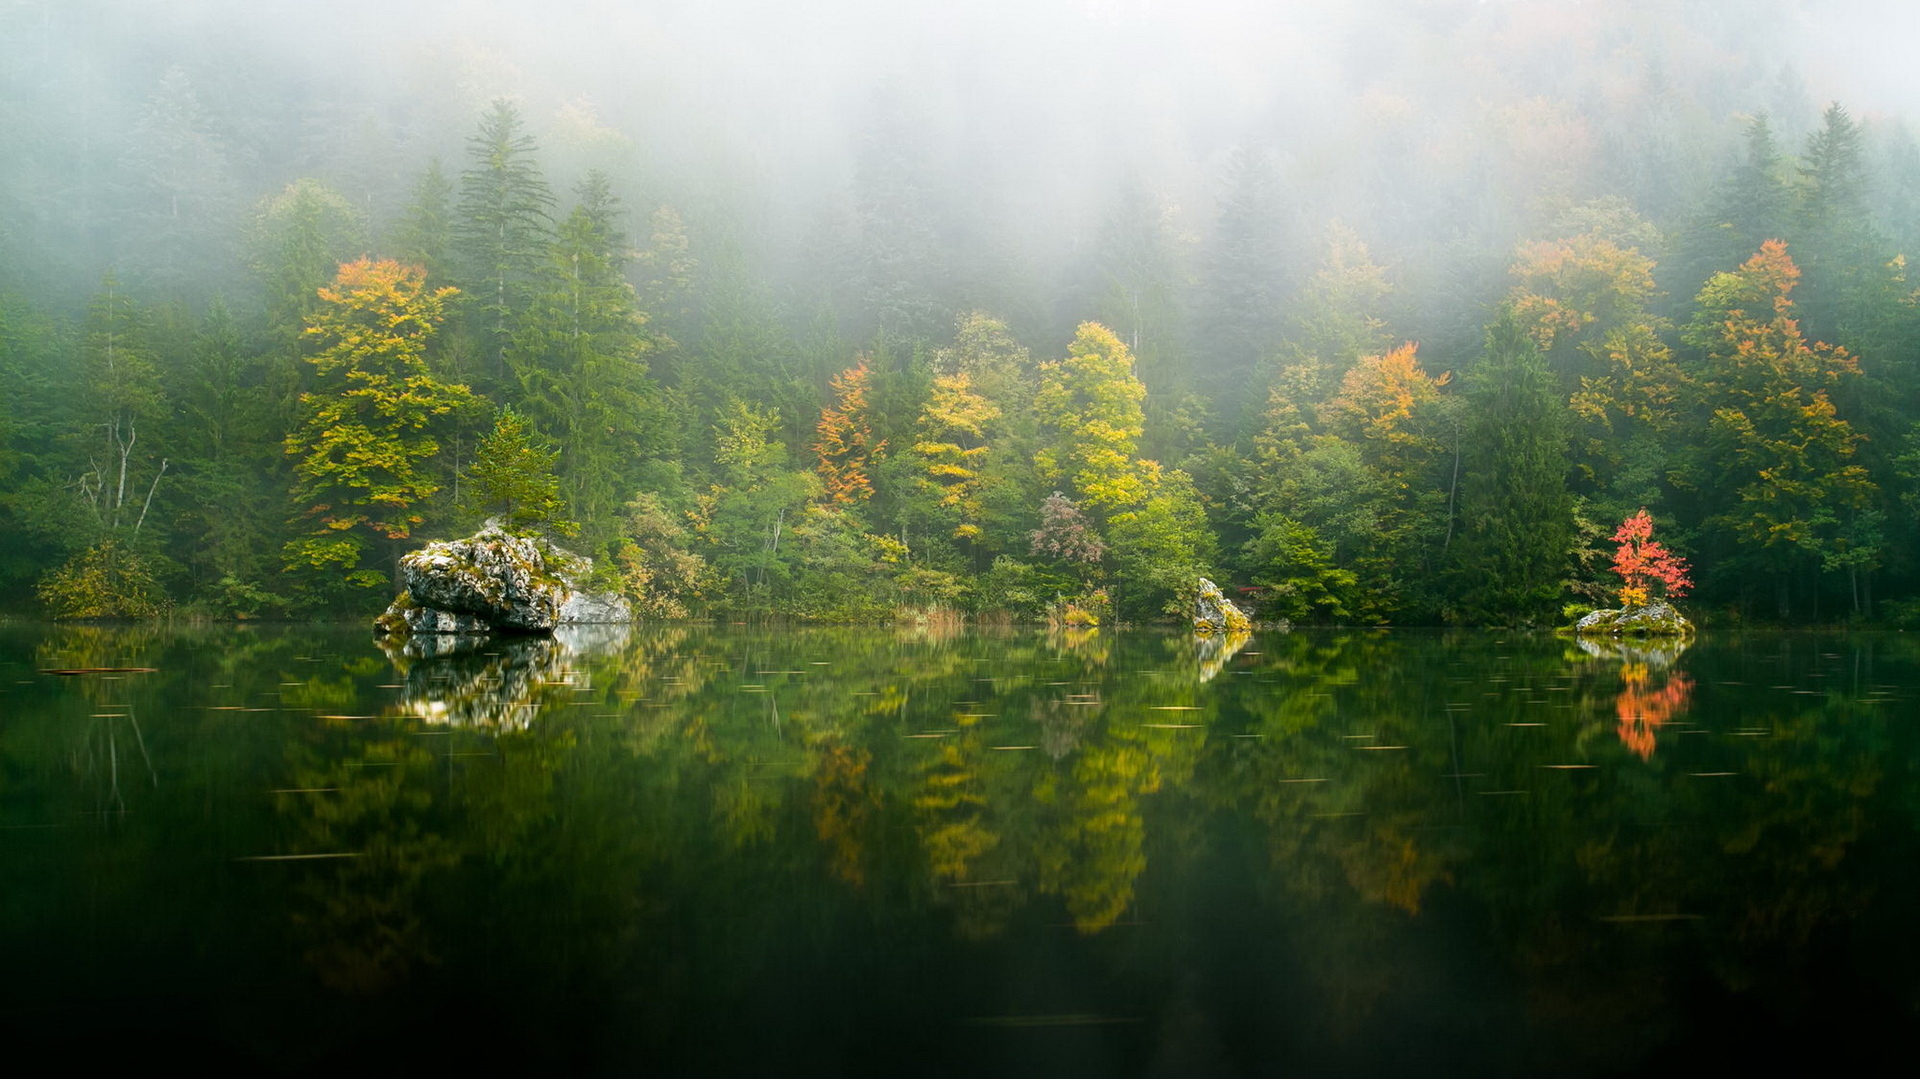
(1399, 342)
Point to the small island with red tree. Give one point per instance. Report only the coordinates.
(1649, 575)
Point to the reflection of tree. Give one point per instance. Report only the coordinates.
(671, 815)
(361, 851)
(843, 807)
(1644, 710)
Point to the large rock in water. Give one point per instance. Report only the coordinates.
(1654, 619)
(1213, 612)
(496, 581)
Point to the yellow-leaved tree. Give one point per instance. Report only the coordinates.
(365, 438)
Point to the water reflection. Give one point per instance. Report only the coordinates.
(1642, 708)
(1373, 829)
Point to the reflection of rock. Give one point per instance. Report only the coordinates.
(1213, 612)
(497, 683)
(499, 689)
(1214, 651)
(592, 638)
(1656, 653)
(1655, 619)
(493, 580)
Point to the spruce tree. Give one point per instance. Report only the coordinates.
(578, 359)
(1516, 514)
(503, 228)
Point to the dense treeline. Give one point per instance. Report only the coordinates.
(264, 401)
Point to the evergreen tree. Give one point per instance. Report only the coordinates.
(512, 480)
(579, 361)
(899, 230)
(424, 234)
(1516, 515)
(1838, 251)
(503, 228)
(1243, 284)
(299, 238)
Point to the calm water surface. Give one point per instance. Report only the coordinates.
(727, 852)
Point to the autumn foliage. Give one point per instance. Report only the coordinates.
(1643, 563)
(844, 439)
(1643, 710)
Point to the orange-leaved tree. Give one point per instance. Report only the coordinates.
(1778, 459)
(844, 439)
(1645, 567)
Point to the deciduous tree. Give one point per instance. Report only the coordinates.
(365, 439)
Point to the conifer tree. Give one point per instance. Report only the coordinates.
(1516, 516)
(512, 479)
(503, 226)
(578, 359)
(424, 234)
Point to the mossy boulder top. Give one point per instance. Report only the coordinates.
(495, 580)
(1654, 619)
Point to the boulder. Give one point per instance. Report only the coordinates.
(494, 581)
(1213, 612)
(1656, 619)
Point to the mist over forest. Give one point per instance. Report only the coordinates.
(1377, 313)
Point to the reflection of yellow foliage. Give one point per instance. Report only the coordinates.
(747, 810)
(357, 914)
(842, 807)
(1393, 870)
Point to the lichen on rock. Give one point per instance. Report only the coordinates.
(1656, 619)
(495, 581)
(1213, 612)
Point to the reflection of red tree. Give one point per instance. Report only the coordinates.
(1644, 711)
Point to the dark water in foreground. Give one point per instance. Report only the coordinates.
(714, 852)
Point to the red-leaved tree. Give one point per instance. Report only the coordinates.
(1643, 564)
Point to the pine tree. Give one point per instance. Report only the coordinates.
(503, 227)
(1242, 285)
(579, 360)
(1516, 516)
(424, 234)
(512, 480)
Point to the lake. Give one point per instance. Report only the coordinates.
(731, 851)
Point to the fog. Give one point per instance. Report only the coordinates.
(1418, 123)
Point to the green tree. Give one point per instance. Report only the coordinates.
(424, 234)
(746, 520)
(512, 479)
(579, 360)
(503, 227)
(1776, 473)
(365, 439)
(299, 238)
(1516, 515)
(1161, 547)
